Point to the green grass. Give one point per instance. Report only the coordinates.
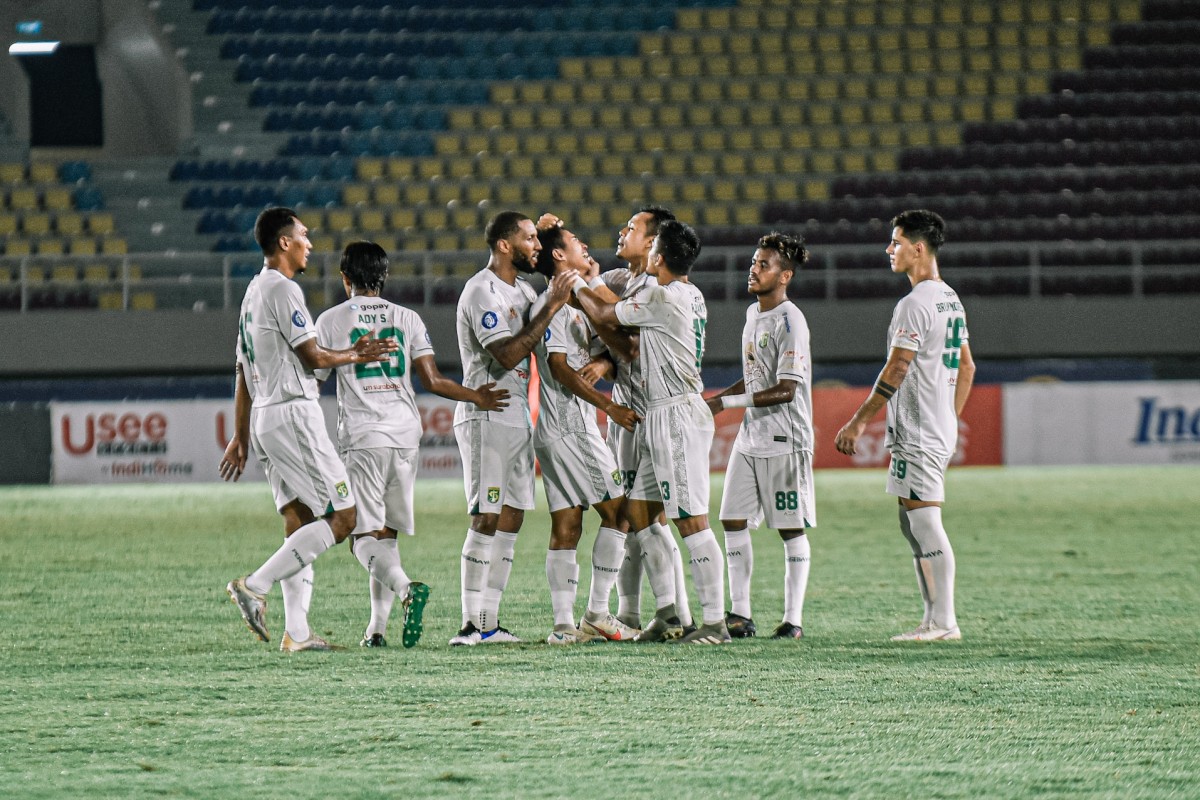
(126, 672)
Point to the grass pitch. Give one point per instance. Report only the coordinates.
(126, 672)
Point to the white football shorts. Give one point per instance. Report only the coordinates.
(303, 462)
(672, 465)
(497, 466)
(918, 477)
(777, 490)
(579, 471)
(384, 479)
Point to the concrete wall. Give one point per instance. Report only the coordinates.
(147, 94)
(77, 343)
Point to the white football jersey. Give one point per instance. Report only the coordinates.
(490, 310)
(627, 386)
(273, 320)
(560, 412)
(671, 320)
(376, 404)
(920, 416)
(775, 347)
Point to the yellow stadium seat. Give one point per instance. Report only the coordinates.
(68, 224)
(64, 273)
(402, 218)
(23, 199)
(142, 301)
(416, 193)
(36, 224)
(101, 224)
(400, 168)
(56, 200)
(337, 220)
(434, 219)
(97, 273)
(41, 172)
(369, 169)
(371, 221)
(8, 224)
(570, 192)
(323, 243)
(12, 173)
(82, 246)
(6, 275)
(355, 194)
(113, 246)
(111, 301)
(385, 194)
(34, 274)
(50, 247)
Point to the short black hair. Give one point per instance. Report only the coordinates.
(502, 226)
(365, 264)
(790, 248)
(551, 239)
(678, 245)
(270, 225)
(920, 225)
(658, 215)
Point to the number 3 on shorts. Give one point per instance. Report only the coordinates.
(666, 490)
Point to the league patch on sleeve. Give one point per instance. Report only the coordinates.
(490, 320)
(298, 319)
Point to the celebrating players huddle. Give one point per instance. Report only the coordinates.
(642, 328)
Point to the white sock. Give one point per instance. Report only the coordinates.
(740, 554)
(297, 552)
(562, 572)
(937, 558)
(683, 607)
(797, 557)
(708, 573)
(629, 581)
(657, 560)
(922, 585)
(382, 599)
(504, 543)
(297, 595)
(473, 572)
(608, 552)
(381, 559)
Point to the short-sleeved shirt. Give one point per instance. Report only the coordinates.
(775, 347)
(274, 320)
(376, 404)
(490, 310)
(930, 320)
(671, 320)
(561, 412)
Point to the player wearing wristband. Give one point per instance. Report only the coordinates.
(925, 384)
(769, 477)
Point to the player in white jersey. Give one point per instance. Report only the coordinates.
(379, 429)
(675, 438)
(925, 384)
(769, 477)
(496, 335)
(578, 470)
(279, 347)
(662, 558)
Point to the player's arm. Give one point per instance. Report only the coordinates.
(886, 384)
(601, 366)
(735, 396)
(233, 462)
(602, 311)
(516, 348)
(966, 379)
(576, 385)
(365, 350)
(486, 397)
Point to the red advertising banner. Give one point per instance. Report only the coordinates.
(980, 430)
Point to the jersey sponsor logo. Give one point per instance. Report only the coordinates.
(490, 320)
(343, 491)
(298, 319)
(493, 494)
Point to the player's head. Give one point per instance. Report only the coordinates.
(636, 236)
(676, 247)
(776, 260)
(365, 266)
(918, 226)
(561, 250)
(279, 231)
(512, 235)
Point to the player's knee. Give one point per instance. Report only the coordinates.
(342, 522)
(735, 524)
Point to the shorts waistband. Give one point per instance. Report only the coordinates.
(676, 400)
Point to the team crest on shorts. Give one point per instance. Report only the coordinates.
(343, 491)
(616, 476)
(493, 494)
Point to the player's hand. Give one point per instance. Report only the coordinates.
(715, 406)
(490, 398)
(233, 462)
(368, 349)
(847, 438)
(593, 271)
(559, 289)
(547, 221)
(594, 370)
(625, 417)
